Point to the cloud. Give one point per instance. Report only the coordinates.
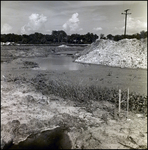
(135, 25)
(6, 28)
(81, 4)
(80, 29)
(97, 29)
(72, 24)
(36, 24)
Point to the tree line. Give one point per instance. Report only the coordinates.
(61, 37)
(141, 35)
(54, 38)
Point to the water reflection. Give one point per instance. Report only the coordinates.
(54, 62)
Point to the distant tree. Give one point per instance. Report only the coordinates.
(75, 38)
(110, 37)
(10, 37)
(24, 41)
(58, 36)
(142, 34)
(146, 34)
(94, 38)
(101, 36)
(61, 36)
(117, 37)
(122, 36)
(88, 37)
(138, 36)
(49, 38)
(3, 38)
(43, 40)
(68, 39)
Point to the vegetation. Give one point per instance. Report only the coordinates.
(62, 37)
(83, 94)
(55, 37)
(141, 35)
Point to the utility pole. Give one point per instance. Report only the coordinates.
(125, 18)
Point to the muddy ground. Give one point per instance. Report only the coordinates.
(92, 124)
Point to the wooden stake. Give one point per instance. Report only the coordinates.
(127, 102)
(119, 100)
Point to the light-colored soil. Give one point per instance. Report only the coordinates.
(125, 53)
(95, 129)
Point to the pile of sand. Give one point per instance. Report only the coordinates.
(63, 46)
(129, 53)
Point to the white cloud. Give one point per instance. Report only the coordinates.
(135, 25)
(6, 28)
(97, 29)
(72, 24)
(36, 24)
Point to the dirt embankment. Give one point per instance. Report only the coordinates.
(8, 53)
(126, 53)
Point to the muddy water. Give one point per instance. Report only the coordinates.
(57, 62)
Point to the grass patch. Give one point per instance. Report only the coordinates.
(85, 93)
(30, 64)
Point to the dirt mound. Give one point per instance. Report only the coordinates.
(129, 53)
(63, 46)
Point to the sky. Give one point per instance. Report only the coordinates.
(74, 17)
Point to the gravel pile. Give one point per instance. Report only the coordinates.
(126, 53)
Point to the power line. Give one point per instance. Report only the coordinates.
(125, 18)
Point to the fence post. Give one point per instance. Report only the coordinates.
(127, 102)
(119, 100)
